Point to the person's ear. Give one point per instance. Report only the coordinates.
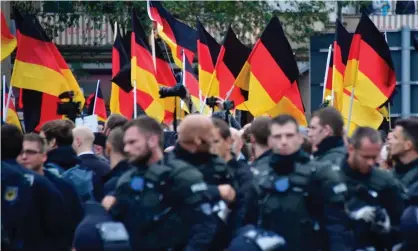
(408, 145)
(153, 141)
(328, 130)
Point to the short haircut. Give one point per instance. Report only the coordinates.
(223, 127)
(331, 117)
(410, 130)
(114, 121)
(33, 137)
(146, 125)
(60, 130)
(364, 132)
(260, 130)
(115, 139)
(11, 141)
(284, 119)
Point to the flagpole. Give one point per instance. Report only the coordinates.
(326, 72)
(351, 107)
(154, 60)
(4, 98)
(390, 122)
(9, 97)
(95, 97)
(135, 107)
(183, 76)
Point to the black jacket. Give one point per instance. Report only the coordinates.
(63, 156)
(377, 189)
(331, 149)
(324, 202)
(93, 163)
(111, 179)
(46, 218)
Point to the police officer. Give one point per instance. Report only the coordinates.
(299, 199)
(161, 205)
(45, 218)
(374, 198)
(195, 139)
(16, 204)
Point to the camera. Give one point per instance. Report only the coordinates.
(228, 105)
(211, 101)
(70, 109)
(176, 91)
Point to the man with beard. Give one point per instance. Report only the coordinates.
(163, 206)
(403, 145)
(296, 198)
(374, 198)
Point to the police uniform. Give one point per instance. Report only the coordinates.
(377, 189)
(301, 200)
(165, 206)
(407, 175)
(45, 218)
(16, 204)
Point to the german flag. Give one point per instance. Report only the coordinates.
(97, 106)
(370, 68)
(121, 100)
(143, 72)
(232, 58)
(207, 53)
(341, 48)
(165, 78)
(361, 115)
(176, 34)
(39, 66)
(8, 41)
(12, 117)
(270, 74)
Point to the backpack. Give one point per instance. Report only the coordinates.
(81, 178)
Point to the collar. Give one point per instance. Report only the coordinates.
(404, 168)
(265, 154)
(329, 143)
(285, 164)
(85, 153)
(192, 158)
(118, 170)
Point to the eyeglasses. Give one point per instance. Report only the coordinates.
(29, 152)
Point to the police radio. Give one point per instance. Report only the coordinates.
(114, 236)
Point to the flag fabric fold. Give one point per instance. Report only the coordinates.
(121, 99)
(96, 105)
(8, 41)
(175, 33)
(270, 74)
(370, 68)
(143, 73)
(12, 117)
(232, 58)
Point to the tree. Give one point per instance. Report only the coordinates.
(247, 18)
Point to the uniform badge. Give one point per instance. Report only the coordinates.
(137, 183)
(282, 184)
(206, 208)
(10, 193)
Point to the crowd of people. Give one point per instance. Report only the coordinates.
(270, 185)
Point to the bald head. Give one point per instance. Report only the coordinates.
(195, 133)
(83, 139)
(193, 126)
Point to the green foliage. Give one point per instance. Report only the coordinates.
(245, 17)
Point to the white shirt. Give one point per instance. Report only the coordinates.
(83, 153)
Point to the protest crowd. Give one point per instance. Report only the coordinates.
(184, 172)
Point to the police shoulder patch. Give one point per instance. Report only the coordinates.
(282, 184)
(206, 208)
(137, 183)
(11, 193)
